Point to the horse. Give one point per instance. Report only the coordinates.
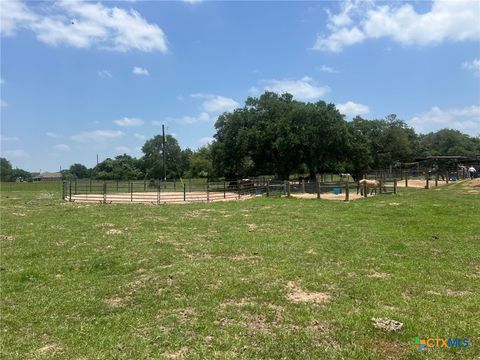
(369, 184)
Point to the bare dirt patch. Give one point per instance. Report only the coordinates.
(49, 348)
(114, 302)
(386, 324)
(179, 354)
(116, 231)
(298, 295)
(378, 275)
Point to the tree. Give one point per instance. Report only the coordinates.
(5, 170)
(153, 158)
(79, 171)
(123, 167)
(449, 142)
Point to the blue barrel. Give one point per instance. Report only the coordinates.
(337, 190)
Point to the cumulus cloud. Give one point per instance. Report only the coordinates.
(206, 140)
(9, 138)
(139, 136)
(473, 66)
(123, 150)
(97, 135)
(466, 120)
(18, 153)
(2, 81)
(137, 70)
(351, 109)
(129, 122)
(216, 103)
(53, 135)
(302, 89)
(359, 20)
(61, 147)
(3, 103)
(187, 120)
(83, 25)
(328, 69)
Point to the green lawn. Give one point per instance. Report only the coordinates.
(266, 278)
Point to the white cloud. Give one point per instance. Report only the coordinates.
(61, 147)
(129, 122)
(83, 25)
(473, 66)
(192, 1)
(216, 103)
(206, 140)
(9, 138)
(328, 69)
(303, 89)
(97, 135)
(253, 90)
(18, 153)
(137, 70)
(351, 109)
(466, 120)
(361, 20)
(2, 81)
(139, 136)
(105, 74)
(53, 135)
(3, 103)
(202, 117)
(123, 150)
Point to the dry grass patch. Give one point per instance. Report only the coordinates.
(387, 324)
(298, 295)
(378, 275)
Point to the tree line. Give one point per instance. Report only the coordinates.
(277, 135)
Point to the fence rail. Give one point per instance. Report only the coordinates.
(162, 192)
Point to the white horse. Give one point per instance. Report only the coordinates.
(373, 185)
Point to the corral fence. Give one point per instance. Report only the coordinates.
(178, 191)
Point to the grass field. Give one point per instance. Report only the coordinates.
(265, 278)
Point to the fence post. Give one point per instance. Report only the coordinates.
(224, 190)
(288, 187)
(365, 189)
(144, 185)
(238, 188)
(90, 185)
(427, 182)
(395, 186)
(158, 192)
(381, 187)
(75, 187)
(104, 192)
(318, 182)
(174, 184)
(268, 188)
(70, 197)
(406, 179)
(63, 190)
(447, 177)
(347, 192)
(303, 186)
(436, 179)
(208, 193)
(184, 192)
(131, 192)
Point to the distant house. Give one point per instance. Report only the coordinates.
(48, 176)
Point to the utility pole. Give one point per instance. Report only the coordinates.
(97, 158)
(163, 153)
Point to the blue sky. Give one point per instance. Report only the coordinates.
(81, 78)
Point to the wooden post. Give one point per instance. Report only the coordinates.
(70, 191)
(268, 188)
(303, 186)
(224, 190)
(427, 182)
(395, 186)
(347, 192)
(436, 179)
(238, 188)
(158, 193)
(447, 177)
(104, 192)
(287, 184)
(364, 189)
(75, 186)
(174, 185)
(406, 179)
(318, 182)
(90, 185)
(131, 192)
(184, 192)
(144, 185)
(208, 193)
